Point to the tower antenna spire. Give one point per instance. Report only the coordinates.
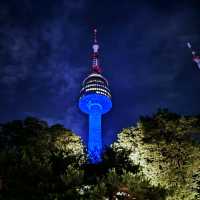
(95, 56)
(95, 36)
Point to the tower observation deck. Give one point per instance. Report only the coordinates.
(95, 100)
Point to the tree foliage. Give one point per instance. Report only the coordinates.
(166, 151)
(35, 158)
(157, 159)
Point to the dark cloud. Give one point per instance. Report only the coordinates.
(36, 69)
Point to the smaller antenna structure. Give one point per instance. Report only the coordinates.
(195, 57)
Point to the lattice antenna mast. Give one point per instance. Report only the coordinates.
(95, 56)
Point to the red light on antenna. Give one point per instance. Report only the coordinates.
(97, 69)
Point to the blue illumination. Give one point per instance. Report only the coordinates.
(94, 138)
(95, 105)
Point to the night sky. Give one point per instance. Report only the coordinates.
(45, 53)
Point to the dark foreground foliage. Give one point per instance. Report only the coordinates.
(156, 160)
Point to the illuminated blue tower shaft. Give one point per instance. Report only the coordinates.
(95, 105)
(95, 137)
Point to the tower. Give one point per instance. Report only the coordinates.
(95, 100)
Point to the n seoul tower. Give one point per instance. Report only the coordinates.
(95, 100)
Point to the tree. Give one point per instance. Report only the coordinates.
(155, 160)
(164, 148)
(35, 159)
